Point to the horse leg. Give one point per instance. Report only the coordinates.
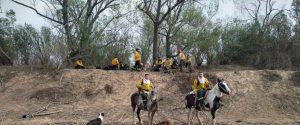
(189, 114)
(133, 109)
(138, 115)
(213, 113)
(199, 120)
(193, 115)
(151, 117)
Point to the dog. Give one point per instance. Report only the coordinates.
(97, 121)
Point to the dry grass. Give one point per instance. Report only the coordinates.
(296, 79)
(258, 97)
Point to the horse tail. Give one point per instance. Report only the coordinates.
(189, 101)
(134, 98)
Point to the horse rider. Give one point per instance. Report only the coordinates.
(200, 86)
(115, 63)
(137, 59)
(144, 88)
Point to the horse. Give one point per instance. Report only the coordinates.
(212, 100)
(151, 106)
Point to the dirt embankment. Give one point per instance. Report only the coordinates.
(258, 96)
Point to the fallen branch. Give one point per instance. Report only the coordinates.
(121, 117)
(43, 109)
(48, 113)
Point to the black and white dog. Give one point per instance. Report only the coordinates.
(97, 121)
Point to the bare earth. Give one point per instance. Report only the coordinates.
(259, 97)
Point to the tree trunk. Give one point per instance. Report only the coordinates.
(155, 41)
(66, 24)
(168, 44)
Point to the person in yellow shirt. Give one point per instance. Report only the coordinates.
(78, 64)
(158, 64)
(182, 59)
(188, 61)
(115, 63)
(137, 59)
(168, 64)
(144, 87)
(200, 86)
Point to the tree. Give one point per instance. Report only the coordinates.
(154, 10)
(7, 52)
(296, 38)
(65, 22)
(172, 20)
(198, 36)
(80, 14)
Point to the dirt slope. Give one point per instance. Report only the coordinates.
(258, 96)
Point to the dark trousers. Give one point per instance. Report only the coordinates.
(137, 65)
(114, 67)
(79, 67)
(182, 64)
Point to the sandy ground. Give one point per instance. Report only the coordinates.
(259, 97)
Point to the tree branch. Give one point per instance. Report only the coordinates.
(9, 59)
(52, 19)
(167, 13)
(147, 12)
(107, 5)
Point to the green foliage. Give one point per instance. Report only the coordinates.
(199, 35)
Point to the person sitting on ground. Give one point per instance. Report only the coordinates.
(123, 66)
(137, 59)
(200, 86)
(79, 64)
(175, 63)
(168, 64)
(115, 63)
(182, 59)
(144, 88)
(158, 64)
(188, 61)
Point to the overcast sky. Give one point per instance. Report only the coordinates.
(227, 10)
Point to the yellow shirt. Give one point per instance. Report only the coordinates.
(158, 62)
(197, 85)
(181, 56)
(168, 63)
(137, 56)
(145, 86)
(78, 62)
(189, 59)
(115, 61)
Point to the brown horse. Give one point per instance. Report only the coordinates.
(151, 106)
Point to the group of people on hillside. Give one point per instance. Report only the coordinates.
(158, 65)
(171, 63)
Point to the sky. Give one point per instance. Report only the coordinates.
(227, 10)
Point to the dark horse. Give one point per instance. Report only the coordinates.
(151, 106)
(212, 101)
